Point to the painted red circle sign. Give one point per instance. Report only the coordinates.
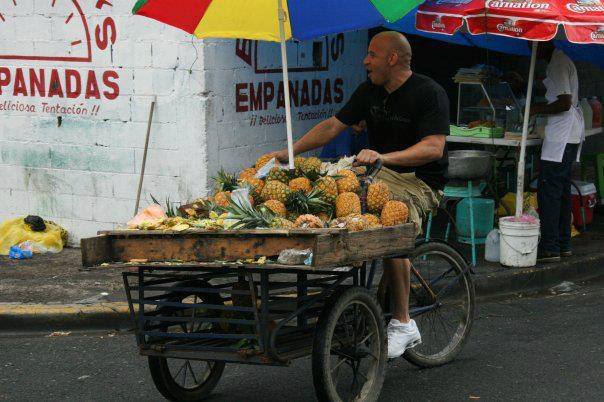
(47, 31)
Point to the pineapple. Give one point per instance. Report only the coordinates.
(278, 174)
(328, 187)
(255, 184)
(247, 173)
(310, 166)
(276, 207)
(355, 222)
(347, 203)
(299, 202)
(378, 194)
(300, 183)
(394, 213)
(298, 161)
(225, 181)
(274, 190)
(309, 221)
(324, 216)
(282, 223)
(263, 160)
(222, 198)
(348, 183)
(249, 217)
(372, 221)
(199, 208)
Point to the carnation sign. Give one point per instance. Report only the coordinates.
(533, 20)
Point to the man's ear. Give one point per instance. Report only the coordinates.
(393, 59)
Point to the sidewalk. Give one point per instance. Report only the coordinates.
(53, 292)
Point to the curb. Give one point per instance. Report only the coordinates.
(51, 317)
(15, 317)
(541, 277)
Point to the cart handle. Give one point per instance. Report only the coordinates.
(372, 170)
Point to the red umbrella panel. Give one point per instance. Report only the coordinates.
(583, 20)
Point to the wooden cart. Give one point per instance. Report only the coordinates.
(200, 299)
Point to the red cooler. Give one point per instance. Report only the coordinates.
(583, 198)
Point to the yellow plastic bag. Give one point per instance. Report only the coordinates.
(507, 203)
(16, 231)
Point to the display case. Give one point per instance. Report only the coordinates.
(487, 109)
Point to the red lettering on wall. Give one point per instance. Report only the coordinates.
(4, 78)
(73, 84)
(55, 85)
(20, 88)
(92, 87)
(105, 35)
(109, 80)
(241, 98)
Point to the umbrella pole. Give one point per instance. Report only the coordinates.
(288, 112)
(525, 123)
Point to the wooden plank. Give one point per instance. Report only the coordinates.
(364, 245)
(191, 247)
(232, 233)
(96, 250)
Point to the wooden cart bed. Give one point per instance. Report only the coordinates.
(213, 249)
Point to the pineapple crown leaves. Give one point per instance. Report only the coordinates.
(248, 217)
(302, 203)
(225, 181)
(171, 212)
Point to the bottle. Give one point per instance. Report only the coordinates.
(596, 108)
(491, 253)
(587, 113)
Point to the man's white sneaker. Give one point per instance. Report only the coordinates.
(401, 337)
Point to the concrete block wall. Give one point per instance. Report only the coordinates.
(239, 130)
(76, 82)
(79, 165)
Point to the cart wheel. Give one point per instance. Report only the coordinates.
(445, 327)
(180, 379)
(349, 348)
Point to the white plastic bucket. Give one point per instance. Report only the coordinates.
(518, 243)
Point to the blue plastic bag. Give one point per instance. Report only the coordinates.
(17, 253)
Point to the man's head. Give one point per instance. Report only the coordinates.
(389, 54)
(545, 50)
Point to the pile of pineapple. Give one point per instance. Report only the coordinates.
(307, 198)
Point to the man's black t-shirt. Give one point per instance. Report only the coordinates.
(399, 120)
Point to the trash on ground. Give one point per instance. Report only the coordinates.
(564, 287)
(39, 235)
(59, 333)
(21, 252)
(293, 256)
(83, 377)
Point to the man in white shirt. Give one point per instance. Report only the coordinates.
(564, 134)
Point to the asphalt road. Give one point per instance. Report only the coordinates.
(527, 348)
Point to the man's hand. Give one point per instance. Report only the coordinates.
(281, 155)
(367, 157)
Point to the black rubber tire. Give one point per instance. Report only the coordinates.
(414, 355)
(160, 370)
(336, 305)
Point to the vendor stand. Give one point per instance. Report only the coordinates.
(199, 299)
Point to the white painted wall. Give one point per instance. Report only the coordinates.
(83, 174)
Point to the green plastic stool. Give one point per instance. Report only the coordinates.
(597, 161)
(458, 192)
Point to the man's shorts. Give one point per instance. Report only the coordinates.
(419, 197)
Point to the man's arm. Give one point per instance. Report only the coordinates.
(316, 137)
(429, 149)
(562, 104)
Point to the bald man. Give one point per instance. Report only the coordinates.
(407, 117)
